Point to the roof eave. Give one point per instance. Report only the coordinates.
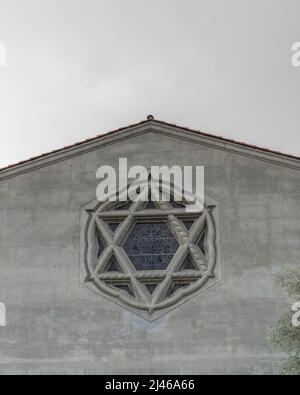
(196, 136)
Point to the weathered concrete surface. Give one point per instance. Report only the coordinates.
(56, 326)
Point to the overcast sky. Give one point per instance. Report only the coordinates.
(77, 68)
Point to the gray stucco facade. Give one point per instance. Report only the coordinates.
(57, 326)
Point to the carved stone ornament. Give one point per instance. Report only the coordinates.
(150, 257)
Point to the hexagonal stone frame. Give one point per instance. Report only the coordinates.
(133, 292)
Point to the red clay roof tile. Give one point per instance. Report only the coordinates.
(139, 124)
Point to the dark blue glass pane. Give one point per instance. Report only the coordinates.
(188, 224)
(112, 266)
(151, 246)
(114, 226)
(201, 244)
(100, 247)
(151, 287)
(151, 206)
(151, 230)
(188, 264)
(151, 262)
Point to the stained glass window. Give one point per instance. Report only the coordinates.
(112, 266)
(151, 246)
(113, 226)
(100, 246)
(201, 244)
(150, 257)
(188, 264)
(151, 287)
(188, 224)
(151, 206)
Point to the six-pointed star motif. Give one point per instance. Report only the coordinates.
(150, 291)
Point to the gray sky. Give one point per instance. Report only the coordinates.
(76, 68)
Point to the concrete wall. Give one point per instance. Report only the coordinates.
(56, 326)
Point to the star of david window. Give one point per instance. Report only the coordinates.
(149, 257)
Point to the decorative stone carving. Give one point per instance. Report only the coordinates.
(149, 257)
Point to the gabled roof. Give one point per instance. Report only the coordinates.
(206, 139)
